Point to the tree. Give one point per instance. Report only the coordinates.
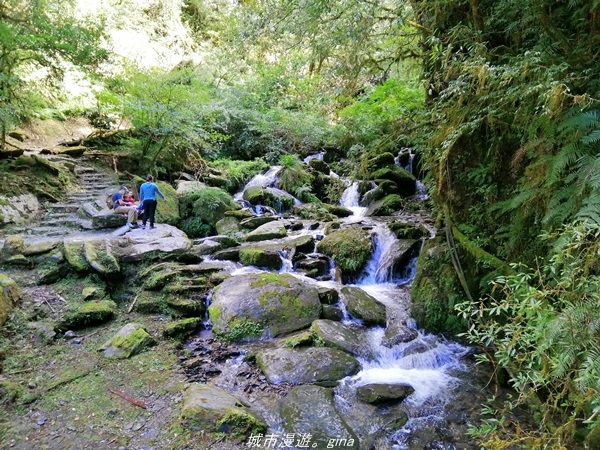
(40, 34)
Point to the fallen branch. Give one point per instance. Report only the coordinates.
(132, 304)
(128, 397)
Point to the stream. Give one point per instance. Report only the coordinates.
(434, 414)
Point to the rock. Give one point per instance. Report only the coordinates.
(306, 365)
(349, 338)
(39, 248)
(310, 411)
(330, 312)
(18, 134)
(363, 306)
(271, 230)
(6, 153)
(185, 186)
(254, 222)
(319, 166)
(13, 245)
(313, 211)
(18, 209)
(129, 341)
(187, 307)
(271, 197)
(406, 182)
(76, 150)
(139, 245)
(42, 332)
(398, 333)
(108, 219)
(252, 305)
(380, 161)
(350, 248)
(92, 292)
(328, 296)
(181, 329)
(74, 253)
(9, 297)
(209, 245)
(404, 230)
(339, 211)
(260, 258)
(88, 314)
(211, 409)
(380, 393)
(207, 204)
(227, 225)
(386, 206)
(100, 258)
(313, 265)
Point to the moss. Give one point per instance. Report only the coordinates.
(338, 211)
(100, 259)
(74, 253)
(181, 329)
(243, 329)
(271, 278)
(259, 258)
(130, 344)
(239, 424)
(90, 313)
(9, 296)
(593, 437)
(350, 248)
(167, 210)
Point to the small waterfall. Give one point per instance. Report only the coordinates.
(264, 180)
(318, 156)
(350, 199)
(286, 262)
(380, 267)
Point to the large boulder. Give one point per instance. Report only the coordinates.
(260, 258)
(252, 305)
(350, 248)
(310, 411)
(386, 206)
(206, 204)
(212, 409)
(349, 338)
(271, 230)
(9, 297)
(306, 365)
(140, 244)
(406, 181)
(18, 209)
(100, 257)
(363, 306)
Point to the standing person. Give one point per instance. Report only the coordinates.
(120, 206)
(148, 191)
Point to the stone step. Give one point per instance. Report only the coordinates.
(69, 222)
(46, 231)
(63, 207)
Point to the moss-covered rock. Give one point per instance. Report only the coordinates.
(338, 211)
(13, 245)
(187, 307)
(260, 258)
(9, 297)
(181, 329)
(9, 392)
(380, 161)
(251, 223)
(404, 230)
(250, 305)
(380, 393)
(100, 258)
(436, 289)
(406, 182)
(88, 314)
(363, 306)
(39, 248)
(211, 409)
(349, 338)
(328, 295)
(227, 225)
(129, 341)
(312, 211)
(167, 210)
(74, 253)
(350, 248)
(207, 204)
(271, 230)
(386, 206)
(92, 293)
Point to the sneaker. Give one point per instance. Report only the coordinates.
(143, 227)
(152, 227)
(129, 225)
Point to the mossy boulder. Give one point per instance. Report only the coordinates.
(206, 204)
(92, 293)
(404, 230)
(88, 314)
(363, 306)
(100, 258)
(187, 307)
(350, 248)
(386, 206)
(39, 248)
(328, 295)
(306, 365)
(338, 211)
(260, 258)
(406, 181)
(252, 305)
(9, 297)
(252, 223)
(274, 198)
(74, 253)
(212, 409)
(349, 338)
(13, 245)
(313, 211)
(436, 289)
(130, 340)
(318, 165)
(228, 225)
(310, 410)
(271, 230)
(181, 329)
(380, 161)
(9, 392)
(383, 393)
(167, 210)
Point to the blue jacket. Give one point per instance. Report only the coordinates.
(148, 191)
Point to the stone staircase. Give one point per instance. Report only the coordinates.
(68, 217)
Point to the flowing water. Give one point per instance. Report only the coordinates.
(427, 363)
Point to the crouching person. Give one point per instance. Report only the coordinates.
(120, 206)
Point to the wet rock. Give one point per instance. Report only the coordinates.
(306, 365)
(90, 313)
(309, 410)
(313, 211)
(260, 258)
(328, 296)
(331, 312)
(181, 329)
(188, 307)
(406, 182)
(314, 265)
(271, 230)
(380, 161)
(129, 341)
(227, 225)
(254, 222)
(379, 393)
(9, 297)
(250, 305)
(339, 211)
(404, 230)
(350, 248)
(363, 306)
(398, 333)
(386, 206)
(349, 338)
(207, 407)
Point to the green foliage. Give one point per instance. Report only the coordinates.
(295, 179)
(238, 172)
(39, 35)
(194, 227)
(544, 326)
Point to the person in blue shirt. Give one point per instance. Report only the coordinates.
(148, 191)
